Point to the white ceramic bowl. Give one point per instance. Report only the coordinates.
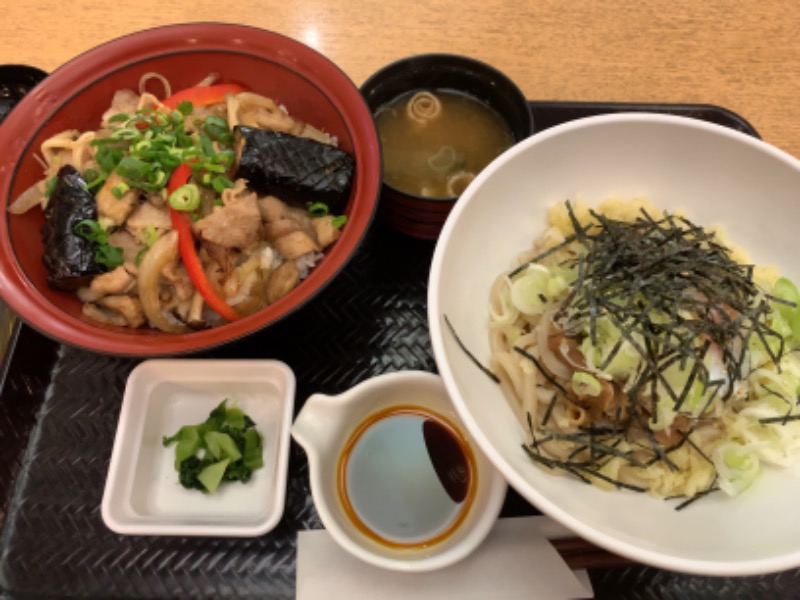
(323, 427)
(717, 176)
(142, 495)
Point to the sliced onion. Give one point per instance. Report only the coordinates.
(549, 359)
(161, 254)
(33, 196)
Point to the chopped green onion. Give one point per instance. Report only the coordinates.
(183, 139)
(158, 179)
(108, 158)
(50, 186)
(339, 221)
(125, 134)
(185, 108)
(213, 122)
(145, 147)
(225, 157)
(105, 254)
(120, 190)
(169, 160)
(131, 167)
(207, 145)
(151, 235)
(91, 230)
(221, 183)
(91, 176)
(109, 256)
(217, 129)
(186, 198)
(214, 168)
(317, 209)
(584, 384)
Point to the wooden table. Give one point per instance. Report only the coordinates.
(743, 55)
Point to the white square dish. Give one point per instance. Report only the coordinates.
(142, 494)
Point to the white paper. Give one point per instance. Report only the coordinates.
(516, 561)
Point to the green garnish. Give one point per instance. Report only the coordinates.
(104, 254)
(320, 209)
(107, 157)
(317, 209)
(221, 183)
(226, 447)
(185, 198)
(50, 186)
(185, 108)
(144, 148)
(120, 190)
(218, 130)
(150, 236)
(93, 178)
(584, 384)
(207, 145)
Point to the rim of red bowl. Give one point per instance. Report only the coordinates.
(83, 71)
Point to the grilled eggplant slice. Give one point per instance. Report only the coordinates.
(69, 258)
(297, 170)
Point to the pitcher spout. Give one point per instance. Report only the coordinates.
(314, 424)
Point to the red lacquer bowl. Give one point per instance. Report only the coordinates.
(75, 96)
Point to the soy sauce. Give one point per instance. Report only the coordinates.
(407, 477)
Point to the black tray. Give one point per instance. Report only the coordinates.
(59, 409)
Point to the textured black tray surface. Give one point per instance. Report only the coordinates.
(59, 409)
(15, 82)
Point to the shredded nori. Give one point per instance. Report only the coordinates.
(782, 420)
(649, 276)
(471, 356)
(701, 494)
(672, 291)
(552, 380)
(669, 283)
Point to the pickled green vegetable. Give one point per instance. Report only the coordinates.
(226, 447)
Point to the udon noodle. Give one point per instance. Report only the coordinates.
(638, 351)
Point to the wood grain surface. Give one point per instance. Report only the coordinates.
(743, 55)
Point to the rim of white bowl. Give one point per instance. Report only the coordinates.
(514, 478)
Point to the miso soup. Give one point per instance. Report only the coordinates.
(435, 142)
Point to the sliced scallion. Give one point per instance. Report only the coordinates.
(317, 209)
(221, 183)
(120, 189)
(185, 198)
